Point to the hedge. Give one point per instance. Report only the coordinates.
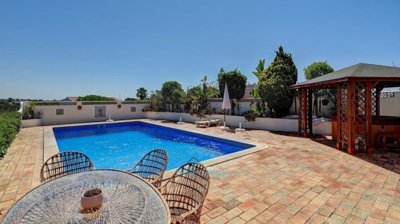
(10, 123)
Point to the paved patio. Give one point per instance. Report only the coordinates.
(295, 180)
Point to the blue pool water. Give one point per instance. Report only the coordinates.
(121, 145)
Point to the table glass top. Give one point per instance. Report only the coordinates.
(127, 199)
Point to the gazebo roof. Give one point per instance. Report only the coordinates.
(361, 72)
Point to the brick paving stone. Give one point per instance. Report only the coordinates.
(276, 208)
(335, 219)
(253, 221)
(232, 204)
(316, 219)
(371, 220)
(216, 212)
(228, 197)
(264, 216)
(236, 220)
(233, 213)
(325, 211)
(300, 218)
(293, 208)
(248, 215)
(218, 220)
(360, 213)
(353, 219)
(377, 213)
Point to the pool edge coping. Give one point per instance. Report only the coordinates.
(50, 146)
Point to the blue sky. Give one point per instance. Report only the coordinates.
(52, 49)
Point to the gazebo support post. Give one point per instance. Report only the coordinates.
(310, 112)
(338, 134)
(351, 123)
(303, 112)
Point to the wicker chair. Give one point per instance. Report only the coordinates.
(65, 163)
(152, 166)
(185, 192)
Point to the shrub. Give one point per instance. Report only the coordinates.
(28, 112)
(10, 123)
(95, 98)
(9, 105)
(251, 115)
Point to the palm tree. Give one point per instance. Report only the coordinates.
(141, 93)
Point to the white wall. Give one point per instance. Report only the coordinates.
(243, 106)
(320, 126)
(390, 106)
(87, 114)
(325, 110)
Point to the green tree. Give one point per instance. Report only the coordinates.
(197, 97)
(236, 82)
(141, 93)
(130, 99)
(273, 86)
(173, 95)
(212, 90)
(260, 69)
(95, 98)
(317, 69)
(156, 101)
(260, 74)
(9, 105)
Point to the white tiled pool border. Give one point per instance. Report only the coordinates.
(50, 146)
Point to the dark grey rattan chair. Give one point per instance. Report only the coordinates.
(65, 163)
(152, 166)
(186, 191)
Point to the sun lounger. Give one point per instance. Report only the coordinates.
(214, 122)
(202, 124)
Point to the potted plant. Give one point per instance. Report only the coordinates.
(92, 199)
(30, 117)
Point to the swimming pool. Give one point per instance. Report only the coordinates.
(121, 145)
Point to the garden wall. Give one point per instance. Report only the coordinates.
(51, 115)
(65, 114)
(320, 126)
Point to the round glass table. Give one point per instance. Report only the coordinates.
(127, 199)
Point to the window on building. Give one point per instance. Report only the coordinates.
(59, 111)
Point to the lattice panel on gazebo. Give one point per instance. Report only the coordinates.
(373, 101)
(342, 116)
(360, 119)
(303, 111)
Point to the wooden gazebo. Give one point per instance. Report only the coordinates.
(358, 90)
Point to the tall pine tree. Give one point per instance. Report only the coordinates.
(275, 82)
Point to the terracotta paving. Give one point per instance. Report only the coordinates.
(20, 168)
(295, 180)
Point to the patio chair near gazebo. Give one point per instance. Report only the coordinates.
(185, 192)
(152, 166)
(65, 163)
